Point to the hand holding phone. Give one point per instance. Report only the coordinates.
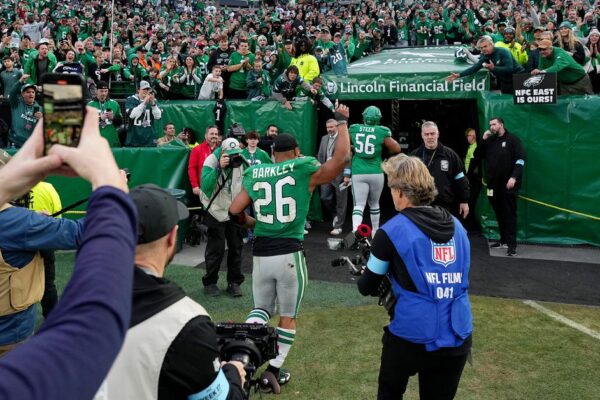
(37, 113)
(63, 109)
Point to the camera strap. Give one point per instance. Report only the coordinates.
(221, 186)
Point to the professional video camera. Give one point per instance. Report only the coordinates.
(251, 344)
(361, 241)
(236, 131)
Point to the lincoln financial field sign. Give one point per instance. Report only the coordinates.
(410, 73)
(399, 87)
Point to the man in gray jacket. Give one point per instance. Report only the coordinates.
(334, 194)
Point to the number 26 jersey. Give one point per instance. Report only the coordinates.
(281, 197)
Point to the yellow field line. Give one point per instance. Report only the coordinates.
(560, 208)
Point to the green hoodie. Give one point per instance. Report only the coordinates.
(567, 69)
(23, 122)
(31, 67)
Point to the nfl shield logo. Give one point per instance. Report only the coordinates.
(443, 253)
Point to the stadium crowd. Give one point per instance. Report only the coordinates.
(151, 50)
(200, 50)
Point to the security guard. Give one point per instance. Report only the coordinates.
(447, 170)
(505, 159)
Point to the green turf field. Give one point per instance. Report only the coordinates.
(518, 352)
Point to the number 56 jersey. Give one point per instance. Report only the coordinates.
(281, 197)
(368, 143)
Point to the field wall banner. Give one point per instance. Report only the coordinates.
(418, 73)
(252, 115)
(164, 166)
(559, 202)
(167, 166)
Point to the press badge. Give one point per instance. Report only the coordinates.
(503, 144)
(490, 192)
(444, 165)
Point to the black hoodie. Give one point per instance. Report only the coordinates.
(435, 222)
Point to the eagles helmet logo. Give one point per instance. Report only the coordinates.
(533, 81)
(460, 54)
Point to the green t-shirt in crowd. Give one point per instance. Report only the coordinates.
(237, 80)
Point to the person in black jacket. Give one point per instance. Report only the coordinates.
(505, 159)
(220, 57)
(266, 142)
(390, 32)
(447, 170)
(170, 351)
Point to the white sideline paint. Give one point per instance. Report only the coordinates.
(563, 319)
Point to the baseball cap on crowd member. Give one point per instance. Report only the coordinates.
(43, 41)
(544, 44)
(231, 146)
(27, 86)
(284, 142)
(539, 28)
(565, 24)
(509, 29)
(144, 85)
(158, 212)
(102, 85)
(288, 41)
(338, 34)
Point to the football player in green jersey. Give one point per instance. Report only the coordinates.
(368, 140)
(280, 194)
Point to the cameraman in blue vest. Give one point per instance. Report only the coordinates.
(425, 253)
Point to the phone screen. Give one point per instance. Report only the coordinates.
(63, 113)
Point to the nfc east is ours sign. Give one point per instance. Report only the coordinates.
(534, 89)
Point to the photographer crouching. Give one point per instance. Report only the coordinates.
(425, 253)
(221, 182)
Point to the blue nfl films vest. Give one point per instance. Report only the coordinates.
(439, 313)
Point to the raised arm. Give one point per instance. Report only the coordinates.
(341, 154)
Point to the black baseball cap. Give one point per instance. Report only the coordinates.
(158, 212)
(102, 85)
(284, 142)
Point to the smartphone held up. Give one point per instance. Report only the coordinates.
(63, 109)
